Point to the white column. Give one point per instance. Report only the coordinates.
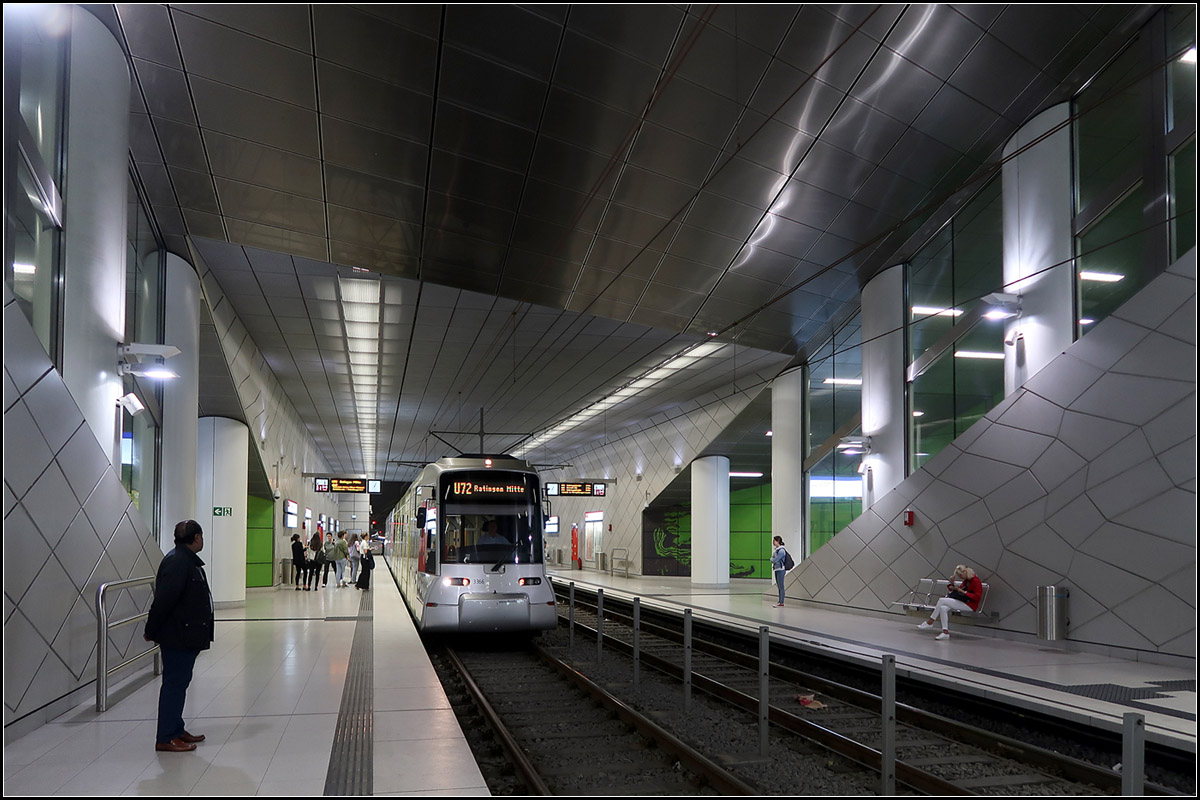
(787, 459)
(710, 521)
(883, 374)
(94, 209)
(180, 425)
(1037, 235)
(222, 473)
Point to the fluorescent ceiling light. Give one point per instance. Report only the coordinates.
(1189, 57)
(1101, 277)
(1086, 321)
(923, 311)
(918, 413)
(845, 381)
(24, 269)
(978, 354)
(745, 474)
(770, 433)
(357, 290)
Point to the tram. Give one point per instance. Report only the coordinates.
(466, 547)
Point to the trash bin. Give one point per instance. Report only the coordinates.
(285, 571)
(1052, 618)
(602, 562)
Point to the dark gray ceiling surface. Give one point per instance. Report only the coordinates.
(655, 173)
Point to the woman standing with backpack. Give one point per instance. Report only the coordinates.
(781, 562)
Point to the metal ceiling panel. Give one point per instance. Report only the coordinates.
(247, 115)
(418, 142)
(247, 61)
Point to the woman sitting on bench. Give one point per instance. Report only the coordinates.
(965, 591)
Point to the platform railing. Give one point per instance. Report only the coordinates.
(103, 626)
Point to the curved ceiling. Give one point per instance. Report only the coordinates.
(643, 176)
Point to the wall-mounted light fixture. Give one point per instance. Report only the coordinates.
(130, 356)
(131, 404)
(1001, 305)
(854, 445)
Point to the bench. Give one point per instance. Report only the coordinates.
(924, 597)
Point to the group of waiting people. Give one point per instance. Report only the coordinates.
(311, 564)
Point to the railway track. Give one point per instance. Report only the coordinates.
(935, 755)
(564, 734)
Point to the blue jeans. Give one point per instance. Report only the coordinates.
(177, 675)
(779, 573)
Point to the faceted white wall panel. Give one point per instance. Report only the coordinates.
(69, 525)
(655, 448)
(1085, 477)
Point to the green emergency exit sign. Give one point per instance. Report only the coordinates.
(222, 511)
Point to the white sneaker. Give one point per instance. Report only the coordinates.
(942, 635)
(924, 626)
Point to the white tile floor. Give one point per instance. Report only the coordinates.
(267, 697)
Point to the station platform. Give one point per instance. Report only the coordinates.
(1095, 690)
(271, 696)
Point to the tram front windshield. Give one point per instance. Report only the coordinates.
(491, 518)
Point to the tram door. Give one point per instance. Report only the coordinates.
(593, 534)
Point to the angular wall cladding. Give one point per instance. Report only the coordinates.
(1085, 477)
(69, 526)
(656, 449)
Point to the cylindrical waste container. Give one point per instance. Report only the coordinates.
(1052, 618)
(602, 562)
(285, 571)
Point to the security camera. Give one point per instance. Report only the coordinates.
(278, 494)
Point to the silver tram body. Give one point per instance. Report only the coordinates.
(466, 547)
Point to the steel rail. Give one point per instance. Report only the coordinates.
(1070, 768)
(508, 742)
(717, 776)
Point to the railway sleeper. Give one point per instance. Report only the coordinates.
(998, 781)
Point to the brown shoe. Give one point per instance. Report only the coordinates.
(174, 746)
(190, 739)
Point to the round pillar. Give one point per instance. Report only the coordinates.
(710, 521)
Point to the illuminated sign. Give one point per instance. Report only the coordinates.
(373, 487)
(468, 488)
(552, 526)
(576, 489)
(320, 484)
(356, 485)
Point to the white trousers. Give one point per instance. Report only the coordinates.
(943, 608)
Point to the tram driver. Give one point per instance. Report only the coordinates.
(490, 534)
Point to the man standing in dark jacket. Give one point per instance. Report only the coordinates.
(181, 622)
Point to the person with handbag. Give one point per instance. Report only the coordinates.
(314, 564)
(965, 591)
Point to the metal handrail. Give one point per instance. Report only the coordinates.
(103, 626)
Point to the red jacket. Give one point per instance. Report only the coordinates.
(973, 589)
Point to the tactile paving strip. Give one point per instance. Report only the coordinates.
(351, 770)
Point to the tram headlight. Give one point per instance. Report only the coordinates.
(456, 581)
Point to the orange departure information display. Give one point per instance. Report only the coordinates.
(355, 485)
(465, 488)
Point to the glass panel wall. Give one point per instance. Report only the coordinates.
(35, 45)
(946, 280)
(1128, 160)
(144, 281)
(834, 401)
